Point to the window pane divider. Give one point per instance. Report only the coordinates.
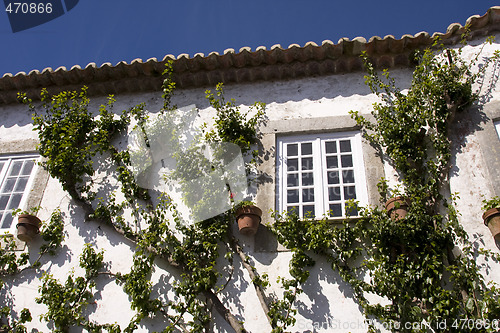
(350, 170)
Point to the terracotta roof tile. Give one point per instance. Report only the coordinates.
(245, 65)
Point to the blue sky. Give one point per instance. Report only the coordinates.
(112, 31)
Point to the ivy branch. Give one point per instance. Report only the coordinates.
(412, 262)
(72, 140)
(14, 263)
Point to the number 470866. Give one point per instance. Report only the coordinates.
(476, 323)
(28, 8)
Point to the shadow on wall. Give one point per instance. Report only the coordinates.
(30, 279)
(474, 148)
(331, 300)
(281, 92)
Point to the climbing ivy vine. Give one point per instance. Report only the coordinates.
(76, 144)
(413, 263)
(422, 265)
(13, 262)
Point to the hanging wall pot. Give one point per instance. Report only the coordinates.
(492, 220)
(397, 208)
(28, 226)
(248, 218)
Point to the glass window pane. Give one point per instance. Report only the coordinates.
(21, 184)
(346, 161)
(335, 210)
(15, 200)
(306, 148)
(292, 164)
(348, 176)
(292, 149)
(332, 162)
(292, 210)
(298, 178)
(7, 220)
(27, 167)
(333, 177)
(334, 193)
(292, 196)
(309, 211)
(292, 179)
(15, 168)
(4, 199)
(308, 195)
(331, 147)
(345, 146)
(307, 179)
(8, 185)
(307, 163)
(349, 192)
(1, 165)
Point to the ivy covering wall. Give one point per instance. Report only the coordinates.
(423, 266)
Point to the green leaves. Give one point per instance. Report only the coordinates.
(76, 142)
(52, 233)
(407, 264)
(65, 129)
(16, 326)
(70, 136)
(232, 125)
(66, 302)
(491, 203)
(138, 286)
(410, 261)
(409, 125)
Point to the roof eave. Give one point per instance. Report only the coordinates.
(244, 66)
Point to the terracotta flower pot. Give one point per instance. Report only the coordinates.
(27, 227)
(492, 219)
(249, 218)
(397, 212)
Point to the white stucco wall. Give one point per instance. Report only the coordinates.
(327, 303)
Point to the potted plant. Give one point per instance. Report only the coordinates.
(397, 207)
(28, 225)
(491, 216)
(248, 216)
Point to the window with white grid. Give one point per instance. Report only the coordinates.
(16, 176)
(318, 174)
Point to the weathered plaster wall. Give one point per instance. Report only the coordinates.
(313, 104)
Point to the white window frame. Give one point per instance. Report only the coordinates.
(321, 201)
(9, 159)
(497, 127)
